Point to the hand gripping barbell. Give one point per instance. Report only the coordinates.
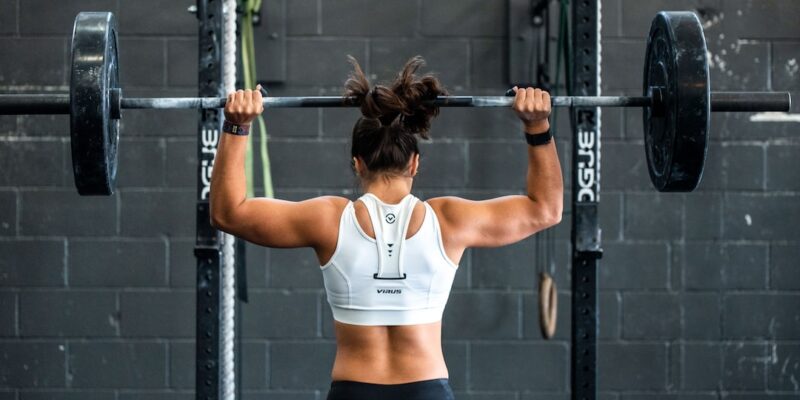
(677, 102)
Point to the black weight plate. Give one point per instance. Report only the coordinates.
(675, 135)
(94, 133)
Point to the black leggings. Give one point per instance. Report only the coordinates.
(433, 389)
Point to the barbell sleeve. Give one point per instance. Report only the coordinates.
(750, 101)
(20, 104)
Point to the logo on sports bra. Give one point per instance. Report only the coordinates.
(390, 291)
(390, 218)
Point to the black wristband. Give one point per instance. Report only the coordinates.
(539, 138)
(235, 129)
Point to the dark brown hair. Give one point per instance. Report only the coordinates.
(385, 136)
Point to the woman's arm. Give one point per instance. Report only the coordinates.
(505, 220)
(268, 222)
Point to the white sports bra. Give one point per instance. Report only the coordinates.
(389, 280)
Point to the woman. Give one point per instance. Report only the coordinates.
(388, 260)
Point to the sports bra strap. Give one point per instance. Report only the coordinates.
(390, 223)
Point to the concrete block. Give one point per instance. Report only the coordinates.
(702, 366)
(32, 263)
(281, 314)
(18, 157)
(168, 212)
(496, 366)
(632, 366)
(467, 18)
(746, 267)
(702, 319)
(653, 216)
(784, 66)
(33, 364)
(781, 172)
(497, 166)
(489, 64)
(703, 216)
(482, 315)
(62, 212)
(181, 163)
(294, 268)
(8, 25)
(760, 20)
(141, 163)
(303, 17)
(119, 365)
(442, 164)
(157, 314)
(296, 372)
(651, 316)
(784, 273)
(445, 58)
(149, 56)
(368, 18)
(8, 314)
(743, 366)
(324, 164)
(321, 62)
(703, 265)
(68, 314)
(754, 315)
(761, 216)
(629, 266)
(120, 263)
(137, 18)
(782, 367)
(181, 64)
(44, 67)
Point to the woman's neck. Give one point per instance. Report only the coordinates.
(391, 190)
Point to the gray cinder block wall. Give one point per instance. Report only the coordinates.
(700, 292)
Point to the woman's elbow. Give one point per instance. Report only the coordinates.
(552, 213)
(220, 218)
(555, 217)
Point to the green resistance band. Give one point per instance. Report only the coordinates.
(252, 7)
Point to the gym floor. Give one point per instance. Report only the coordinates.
(700, 292)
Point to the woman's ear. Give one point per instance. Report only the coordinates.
(414, 167)
(356, 164)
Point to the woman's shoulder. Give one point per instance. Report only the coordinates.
(331, 204)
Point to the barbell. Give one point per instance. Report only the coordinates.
(677, 102)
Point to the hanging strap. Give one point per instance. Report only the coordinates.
(390, 223)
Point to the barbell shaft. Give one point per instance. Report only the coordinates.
(720, 101)
(336, 101)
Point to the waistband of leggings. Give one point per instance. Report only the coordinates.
(427, 382)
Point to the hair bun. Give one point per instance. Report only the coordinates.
(415, 92)
(403, 103)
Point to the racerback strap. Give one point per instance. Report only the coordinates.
(390, 223)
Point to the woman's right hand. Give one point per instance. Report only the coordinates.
(243, 106)
(533, 108)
